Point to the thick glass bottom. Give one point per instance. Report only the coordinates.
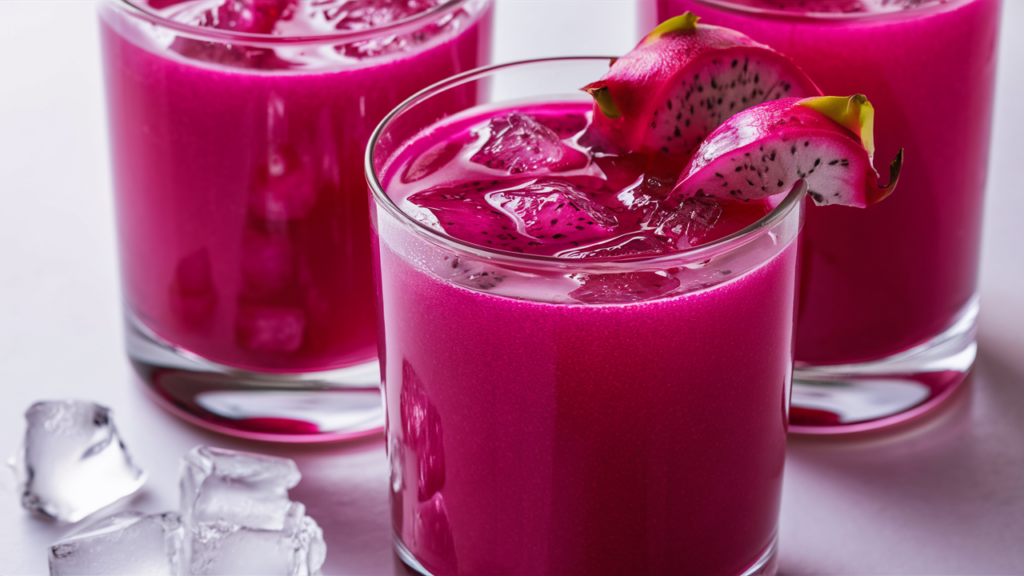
(767, 564)
(848, 398)
(302, 407)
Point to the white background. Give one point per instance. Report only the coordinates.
(943, 496)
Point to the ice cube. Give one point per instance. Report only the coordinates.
(240, 488)
(517, 143)
(192, 294)
(284, 185)
(629, 245)
(267, 262)
(365, 14)
(622, 288)
(73, 461)
(687, 224)
(220, 547)
(550, 207)
(125, 543)
(238, 519)
(270, 329)
(252, 16)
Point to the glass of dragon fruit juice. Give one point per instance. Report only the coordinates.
(888, 305)
(588, 405)
(237, 132)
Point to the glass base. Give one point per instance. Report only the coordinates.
(304, 407)
(766, 565)
(847, 398)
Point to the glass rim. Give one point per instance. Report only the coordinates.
(257, 39)
(826, 17)
(380, 198)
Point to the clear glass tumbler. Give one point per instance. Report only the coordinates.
(237, 131)
(551, 415)
(888, 302)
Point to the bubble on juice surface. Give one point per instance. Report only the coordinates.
(73, 461)
(518, 143)
(622, 288)
(270, 329)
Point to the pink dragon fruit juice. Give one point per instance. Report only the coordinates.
(606, 397)
(879, 281)
(241, 201)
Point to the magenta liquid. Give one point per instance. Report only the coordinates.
(241, 201)
(879, 281)
(546, 434)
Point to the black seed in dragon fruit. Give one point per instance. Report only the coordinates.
(682, 81)
(826, 141)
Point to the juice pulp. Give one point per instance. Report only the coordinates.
(241, 201)
(535, 429)
(878, 281)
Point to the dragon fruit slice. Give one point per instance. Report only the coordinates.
(827, 141)
(683, 80)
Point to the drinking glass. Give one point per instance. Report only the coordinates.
(551, 415)
(237, 138)
(888, 295)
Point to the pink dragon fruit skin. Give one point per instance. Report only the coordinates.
(683, 80)
(764, 150)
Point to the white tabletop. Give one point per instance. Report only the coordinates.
(941, 496)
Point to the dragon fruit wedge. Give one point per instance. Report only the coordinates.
(683, 80)
(826, 141)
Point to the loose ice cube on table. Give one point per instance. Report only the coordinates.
(126, 543)
(238, 519)
(237, 487)
(73, 461)
(297, 549)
